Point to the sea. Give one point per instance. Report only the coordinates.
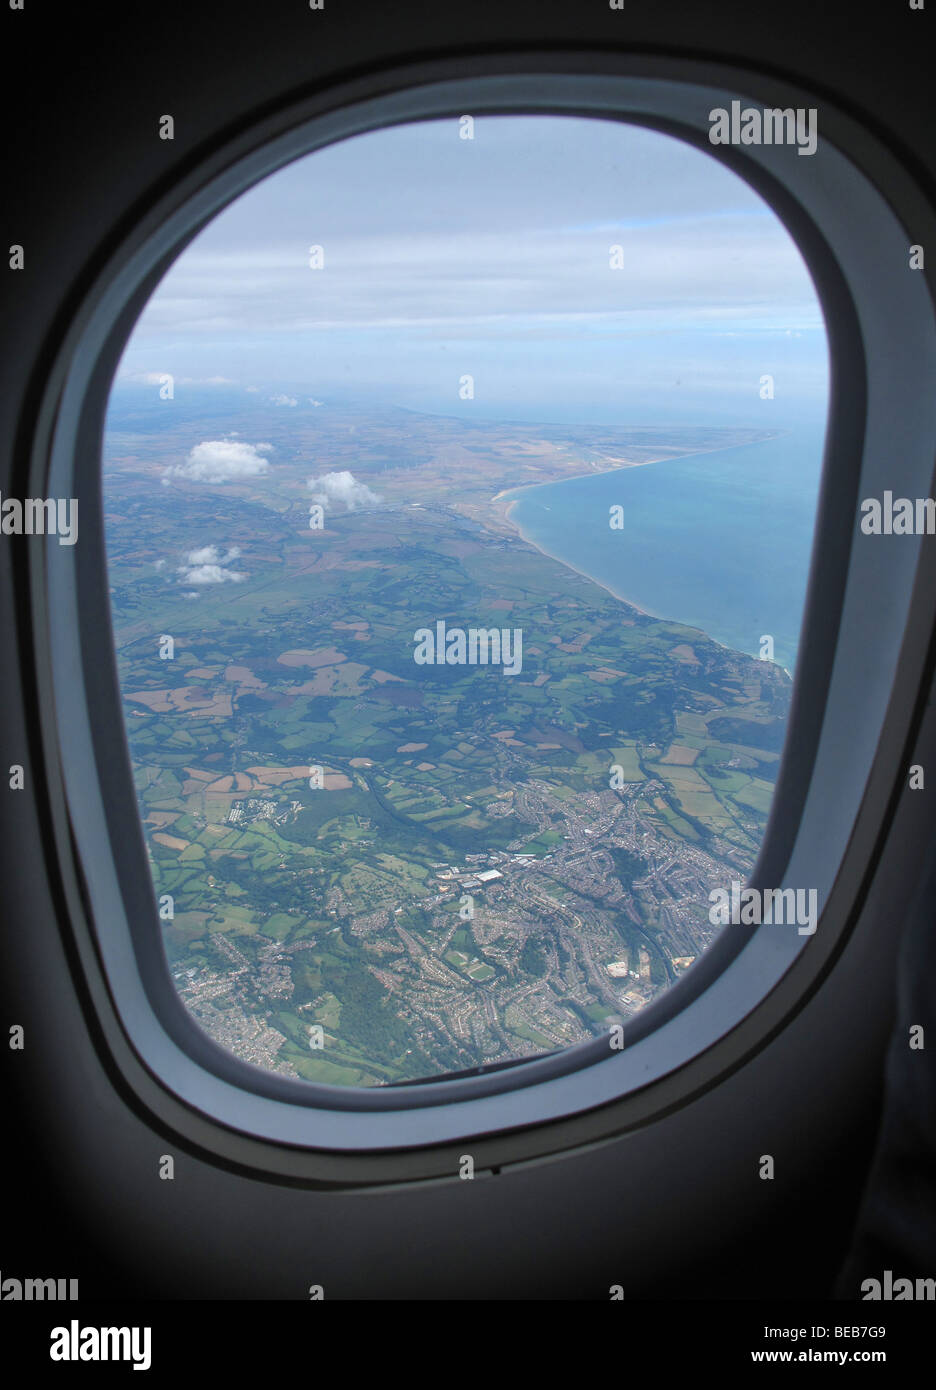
(720, 541)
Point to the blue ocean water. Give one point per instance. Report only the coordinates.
(720, 541)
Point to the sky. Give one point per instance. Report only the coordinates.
(491, 258)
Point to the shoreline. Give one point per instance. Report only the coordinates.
(503, 513)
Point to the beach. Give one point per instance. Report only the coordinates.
(720, 541)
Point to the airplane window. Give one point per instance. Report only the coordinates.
(459, 486)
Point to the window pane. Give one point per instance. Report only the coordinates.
(460, 482)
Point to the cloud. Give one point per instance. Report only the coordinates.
(209, 555)
(432, 261)
(157, 378)
(284, 400)
(313, 401)
(146, 378)
(443, 281)
(342, 487)
(206, 565)
(210, 574)
(221, 461)
(206, 381)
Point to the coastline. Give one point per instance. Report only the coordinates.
(503, 513)
(625, 467)
(622, 598)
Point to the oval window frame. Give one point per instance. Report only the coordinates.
(743, 990)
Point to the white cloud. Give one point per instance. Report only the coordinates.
(442, 281)
(209, 555)
(157, 378)
(313, 401)
(499, 263)
(221, 461)
(210, 574)
(284, 400)
(342, 487)
(206, 381)
(145, 378)
(206, 565)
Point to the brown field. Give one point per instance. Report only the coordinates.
(170, 841)
(685, 653)
(679, 755)
(273, 776)
(581, 641)
(156, 700)
(256, 778)
(323, 656)
(233, 782)
(333, 680)
(185, 697)
(243, 675)
(412, 747)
